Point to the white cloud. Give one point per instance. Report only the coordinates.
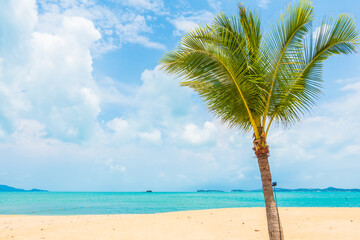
(52, 81)
(91, 100)
(30, 129)
(115, 92)
(352, 86)
(160, 100)
(60, 87)
(190, 20)
(118, 125)
(131, 32)
(153, 136)
(122, 132)
(115, 167)
(196, 135)
(116, 26)
(30, 138)
(153, 5)
(263, 3)
(214, 4)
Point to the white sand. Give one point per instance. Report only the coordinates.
(219, 224)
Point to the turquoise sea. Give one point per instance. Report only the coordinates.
(76, 203)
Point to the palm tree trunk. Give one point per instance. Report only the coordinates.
(272, 215)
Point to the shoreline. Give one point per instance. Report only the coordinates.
(309, 223)
(181, 211)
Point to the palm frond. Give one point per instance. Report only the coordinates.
(249, 82)
(207, 63)
(300, 95)
(284, 48)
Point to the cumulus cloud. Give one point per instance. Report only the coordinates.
(60, 86)
(153, 136)
(118, 125)
(196, 135)
(30, 129)
(160, 100)
(52, 82)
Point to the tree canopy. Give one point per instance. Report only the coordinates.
(250, 79)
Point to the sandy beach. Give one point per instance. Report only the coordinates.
(225, 224)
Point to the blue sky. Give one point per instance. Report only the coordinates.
(85, 107)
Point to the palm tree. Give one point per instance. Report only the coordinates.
(250, 82)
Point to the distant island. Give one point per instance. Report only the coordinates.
(5, 188)
(329, 189)
(209, 191)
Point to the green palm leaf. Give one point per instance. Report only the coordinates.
(213, 61)
(284, 48)
(300, 95)
(248, 82)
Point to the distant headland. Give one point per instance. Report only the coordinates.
(5, 188)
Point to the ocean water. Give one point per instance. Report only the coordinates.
(79, 203)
